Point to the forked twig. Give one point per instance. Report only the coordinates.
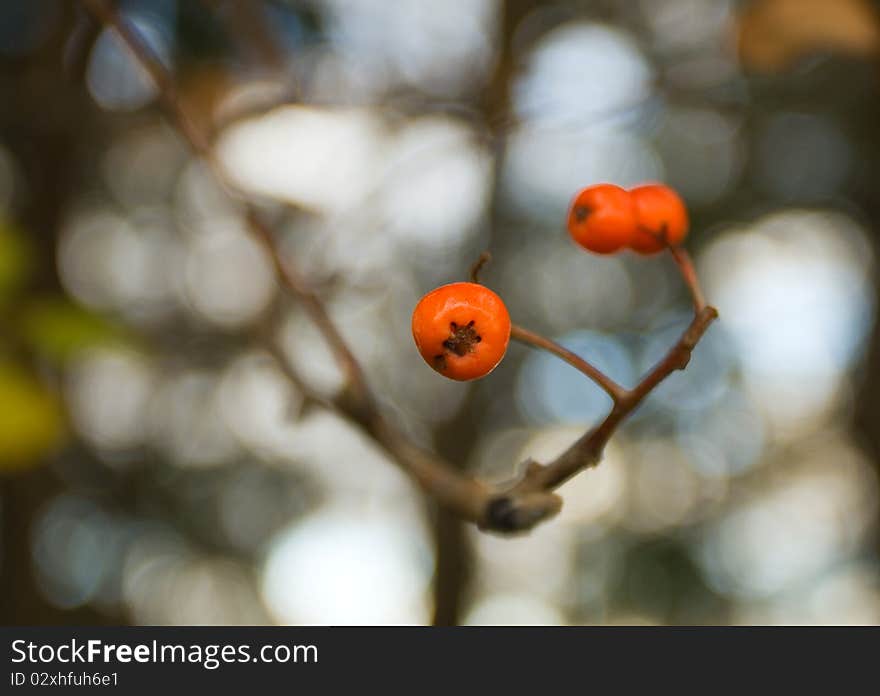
(528, 502)
(532, 496)
(525, 502)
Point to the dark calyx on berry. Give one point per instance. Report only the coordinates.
(581, 212)
(462, 340)
(662, 235)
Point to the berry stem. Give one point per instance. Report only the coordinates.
(689, 273)
(536, 340)
(485, 258)
(612, 388)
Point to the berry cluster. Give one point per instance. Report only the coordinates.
(647, 219)
(462, 329)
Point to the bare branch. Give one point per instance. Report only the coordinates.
(532, 499)
(459, 493)
(287, 274)
(293, 281)
(523, 335)
(686, 266)
(485, 258)
(612, 388)
(526, 503)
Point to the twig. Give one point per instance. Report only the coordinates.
(532, 499)
(287, 274)
(525, 502)
(612, 388)
(523, 335)
(485, 258)
(459, 493)
(686, 266)
(291, 279)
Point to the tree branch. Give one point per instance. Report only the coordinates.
(612, 388)
(686, 267)
(532, 499)
(522, 504)
(459, 493)
(287, 275)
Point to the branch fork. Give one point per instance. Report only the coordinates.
(532, 499)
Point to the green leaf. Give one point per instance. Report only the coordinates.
(59, 329)
(31, 419)
(15, 260)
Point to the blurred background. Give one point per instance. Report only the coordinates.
(156, 466)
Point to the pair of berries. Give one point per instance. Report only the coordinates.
(462, 329)
(606, 218)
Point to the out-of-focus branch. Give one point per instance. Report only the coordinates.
(356, 383)
(174, 107)
(532, 499)
(107, 14)
(463, 495)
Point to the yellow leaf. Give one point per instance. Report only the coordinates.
(31, 419)
(15, 258)
(774, 34)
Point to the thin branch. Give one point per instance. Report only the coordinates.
(291, 279)
(107, 14)
(612, 388)
(532, 499)
(485, 258)
(686, 266)
(265, 337)
(523, 503)
(523, 335)
(463, 495)
(174, 107)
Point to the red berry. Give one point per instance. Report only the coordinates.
(601, 218)
(661, 218)
(461, 330)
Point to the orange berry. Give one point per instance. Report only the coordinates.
(661, 218)
(461, 330)
(602, 219)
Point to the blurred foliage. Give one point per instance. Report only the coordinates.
(31, 418)
(15, 261)
(775, 34)
(59, 330)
